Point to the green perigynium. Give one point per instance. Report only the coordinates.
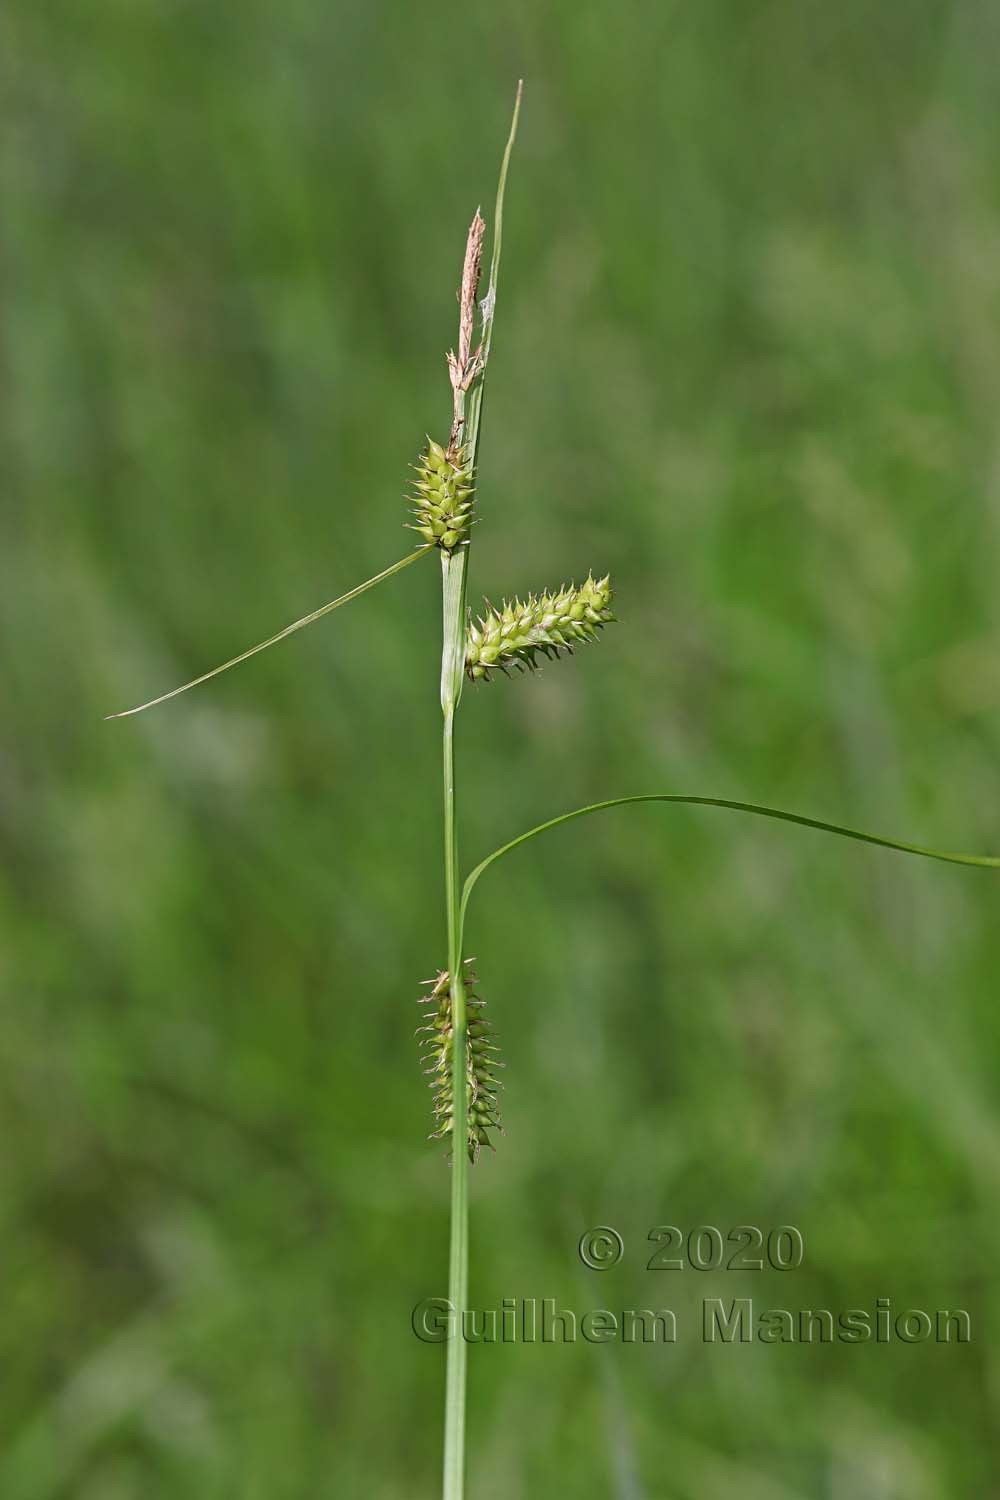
(544, 625)
(443, 496)
(482, 1057)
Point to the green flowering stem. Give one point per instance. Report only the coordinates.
(982, 861)
(468, 373)
(458, 1255)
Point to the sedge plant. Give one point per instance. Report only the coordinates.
(460, 1053)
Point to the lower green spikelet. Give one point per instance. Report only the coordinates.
(443, 496)
(542, 625)
(482, 1087)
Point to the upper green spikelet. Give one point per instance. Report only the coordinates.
(542, 625)
(443, 496)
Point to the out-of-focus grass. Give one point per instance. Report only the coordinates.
(747, 360)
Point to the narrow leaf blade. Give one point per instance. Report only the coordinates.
(317, 614)
(981, 861)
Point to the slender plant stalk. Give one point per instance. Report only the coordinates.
(458, 1256)
(468, 407)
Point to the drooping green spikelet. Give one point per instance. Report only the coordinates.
(547, 624)
(481, 1084)
(443, 497)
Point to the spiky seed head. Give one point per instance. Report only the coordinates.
(541, 625)
(443, 494)
(481, 1084)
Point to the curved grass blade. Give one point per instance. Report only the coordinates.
(983, 861)
(273, 640)
(489, 301)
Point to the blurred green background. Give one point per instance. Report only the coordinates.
(747, 359)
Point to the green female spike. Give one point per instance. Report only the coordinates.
(443, 496)
(546, 624)
(481, 1084)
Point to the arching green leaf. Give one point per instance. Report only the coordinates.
(982, 861)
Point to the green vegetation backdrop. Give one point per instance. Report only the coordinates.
(747, 359)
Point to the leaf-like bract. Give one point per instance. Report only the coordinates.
(316, 614)
(983, 861)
